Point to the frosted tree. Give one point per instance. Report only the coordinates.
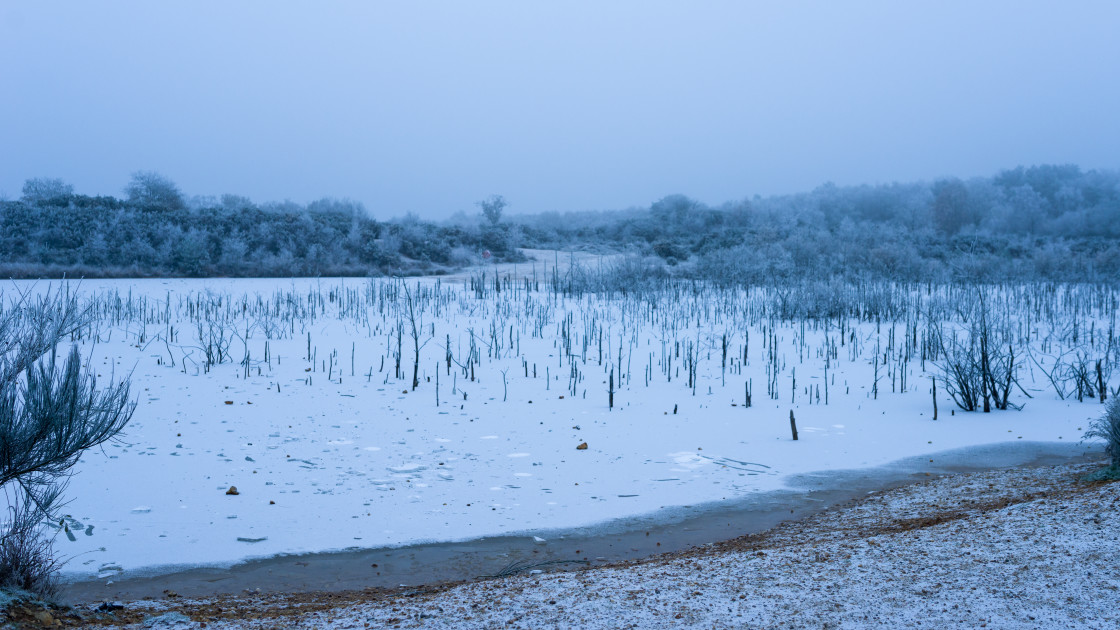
(492, 208)
(152, 191)
(51, 411)
(43, 189)
(950, 206)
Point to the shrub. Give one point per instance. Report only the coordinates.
(27, 553)
(1107, 428)
(50, 412)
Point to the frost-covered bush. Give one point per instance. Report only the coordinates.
(26, 555)
(50, 412)
(978, 356)
(463, 256)
(1107, 428)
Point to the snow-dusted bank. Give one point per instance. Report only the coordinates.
(1010, 548)
(301, 395)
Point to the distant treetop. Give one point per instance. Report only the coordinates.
(42, 189)
(152, 191)
(492, 208)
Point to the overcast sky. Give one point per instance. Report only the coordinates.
(430, 106)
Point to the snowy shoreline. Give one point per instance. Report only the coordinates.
(1002, 548)
(619, 540)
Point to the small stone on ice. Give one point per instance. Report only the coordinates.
(232, 491)
(582, 447)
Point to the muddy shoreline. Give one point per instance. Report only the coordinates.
(668, 530)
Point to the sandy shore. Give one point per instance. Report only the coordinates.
(1009, 548)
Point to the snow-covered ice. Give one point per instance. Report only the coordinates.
(336, 451)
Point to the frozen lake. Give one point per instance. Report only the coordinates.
(302, 408)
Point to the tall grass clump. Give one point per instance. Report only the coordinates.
(1107, 428)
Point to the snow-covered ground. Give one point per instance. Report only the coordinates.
(1011, 548)
(330, 448)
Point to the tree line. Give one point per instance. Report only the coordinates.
(154, 230)
(1054, 223)
(1048, 222)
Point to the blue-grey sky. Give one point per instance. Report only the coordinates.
(427, 107)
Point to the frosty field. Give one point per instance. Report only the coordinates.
(300, 393)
